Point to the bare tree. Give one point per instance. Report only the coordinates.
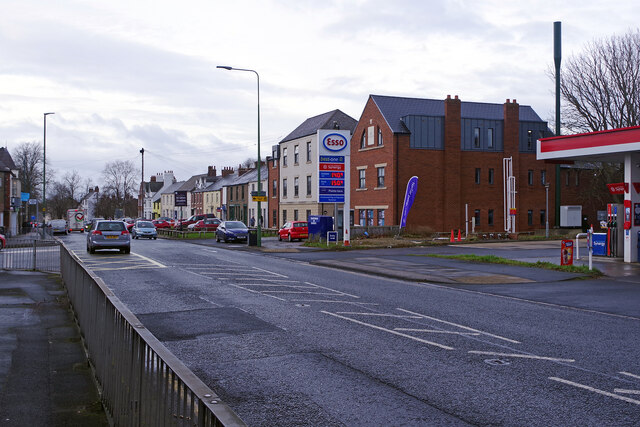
(28, 158)
(120, 181)
(73, 183)
(601, 86)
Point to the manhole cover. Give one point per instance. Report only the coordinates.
(496, 362)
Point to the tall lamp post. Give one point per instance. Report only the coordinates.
(44, 170)
(259, 166)
(141, 213)
(546, 212)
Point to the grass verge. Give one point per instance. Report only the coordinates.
(492, 259)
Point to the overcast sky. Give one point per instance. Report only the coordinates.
(123, 75)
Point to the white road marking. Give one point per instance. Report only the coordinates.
(334, 301)
(595, 390)
(149, 260)
(389, 331)
(523, 356)
(257, 292)
(460, 326)
(333, 290)
(210, 302)
(625, 391)
(630, 375)
(272, 285)
(435, 331)
(399, 316)
(270, 272)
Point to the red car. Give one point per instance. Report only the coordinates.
(159, 223)
(294, 230)
(3, 242)
(209, 224)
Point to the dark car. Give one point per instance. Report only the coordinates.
(294, 230)
(109, 235)
(232, 230)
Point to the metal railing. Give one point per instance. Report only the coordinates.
(140, 381)
(31, 252)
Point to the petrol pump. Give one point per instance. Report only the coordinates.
(615, 230)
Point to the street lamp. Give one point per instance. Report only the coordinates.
(259, 166)
(546, 233)
(44, 170)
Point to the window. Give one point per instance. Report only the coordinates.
(380, 216)
(529, 140)
(284, 187)
(284, 216)
(284, 157)
(577, 178)
(490, 217)
(295, 214)
(381, 177)
(543, 216)
(476, 215)
(380, 141)
(274, 189)
(567, 178)
(529, 217)
(362, 216)
(478, 175)
(308, 185)
(295, 186)
(361, 180)
(369, 216)
(363, 140)
(308, 214)
(242, 192)
(231, 194)
(490, 138)
(308, 151)
(543, 177)
(476, 137)
(296, 154)
(275, 163)
(530, 177)
(490, 175)
(275, 217)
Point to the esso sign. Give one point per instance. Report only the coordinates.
(334, 142)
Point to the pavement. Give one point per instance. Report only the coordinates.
(45, 378)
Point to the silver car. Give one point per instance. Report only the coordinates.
(144, 229)
(109, 235)
(59, 226)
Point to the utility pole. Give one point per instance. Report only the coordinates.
(141, 214)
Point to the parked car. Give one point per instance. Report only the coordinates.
(59, 226)
(3, 242)
(209, 224)
(160, 223)
(232, 230)
(193, 219)
(144, 229)
(109, 235)
(294, 230)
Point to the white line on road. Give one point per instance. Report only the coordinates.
(389, 331)
(271, 285)
(435, 331)
(399, 316)
(630, 375)
(461, 326)
(625, 391)
(270, 272)
(333, 290)
(523, 356)
(595, 390)
(334, 301)
(149, 260)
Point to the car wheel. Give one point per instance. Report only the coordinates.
(290, 239)
(87, 248)
(279, 237)
(128, 250)
(155, 238)
(225, 239)
(217, 238)
(92, 250)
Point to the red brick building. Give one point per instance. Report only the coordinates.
(273, 166)
(456, 149)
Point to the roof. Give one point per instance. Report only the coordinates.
(6, 162)
(153, 186)
(394, 108)
(190, 184)
(173, 187)
(323, 121)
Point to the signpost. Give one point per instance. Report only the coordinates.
(259, 196)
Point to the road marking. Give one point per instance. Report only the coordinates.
(630, 375)
(272, 285)
(389, 331)
(460, 326)
(523, 356)
(622, 390)
(149, 260)
(435, 331)
(332, 290)
(400, 316)
(595, 390)
(270, 272)
(334, 301)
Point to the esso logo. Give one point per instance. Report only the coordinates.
(334, 142)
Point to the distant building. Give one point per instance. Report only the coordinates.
(89, 201)
(10, 193)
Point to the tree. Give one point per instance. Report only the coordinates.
(601, 86)
(28, 158)
(120, 182)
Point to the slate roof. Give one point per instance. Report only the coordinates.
(251, 176)
(323, 121)
(173, 187)
(6, 162)
(394, 108)
(190, 184)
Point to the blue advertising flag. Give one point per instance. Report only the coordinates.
(409, 195)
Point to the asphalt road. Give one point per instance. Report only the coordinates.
(285, 342)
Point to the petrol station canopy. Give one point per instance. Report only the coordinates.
(603, 146)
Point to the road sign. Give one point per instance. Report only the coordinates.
(259, 198)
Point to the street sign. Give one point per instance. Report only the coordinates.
(259, 198)
(33, 201)
(180, 198)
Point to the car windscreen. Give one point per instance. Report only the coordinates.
(111, 226)
(145, 224)
(299, 224)
(235, 224)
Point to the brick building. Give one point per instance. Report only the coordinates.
(456, 149)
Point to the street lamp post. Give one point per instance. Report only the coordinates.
(259, 166)
(44, 170)
(546, 233)
(141, 213)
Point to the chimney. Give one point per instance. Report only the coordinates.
(96, 190)
(153, 179)
(211, 171)
(226, 171)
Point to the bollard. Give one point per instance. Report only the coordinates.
(34, 254)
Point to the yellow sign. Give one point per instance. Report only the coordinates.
(259, 198)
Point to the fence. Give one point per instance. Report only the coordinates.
(31, 252)
(141, 382)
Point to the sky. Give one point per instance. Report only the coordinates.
(125, 75)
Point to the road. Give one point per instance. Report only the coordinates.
(288, 343)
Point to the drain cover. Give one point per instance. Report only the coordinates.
(496, 362)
